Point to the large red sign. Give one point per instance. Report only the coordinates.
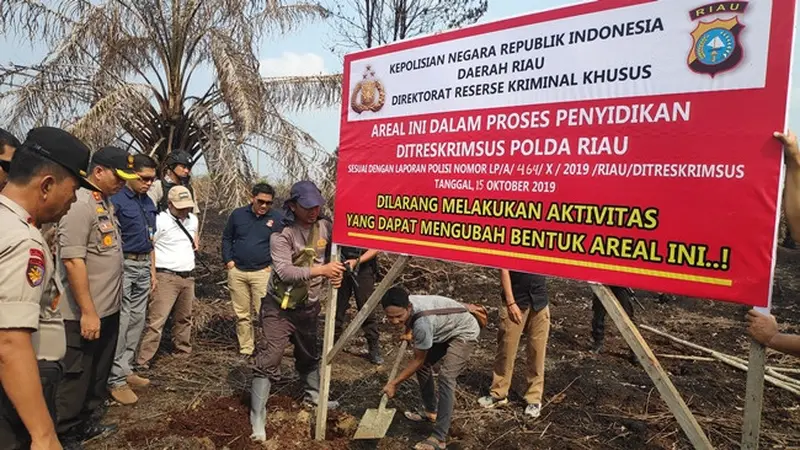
(622, 142)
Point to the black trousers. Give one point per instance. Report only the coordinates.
(87, 365)
(599, 312)
(13, 434)
(366, 285)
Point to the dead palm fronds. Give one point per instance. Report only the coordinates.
(127, 70)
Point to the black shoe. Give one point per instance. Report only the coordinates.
(597, 347)
(96, 431)
(374, 355)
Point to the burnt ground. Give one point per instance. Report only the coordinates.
(591, 401)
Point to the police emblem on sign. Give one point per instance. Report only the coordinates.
(715, 43)
(368, 94)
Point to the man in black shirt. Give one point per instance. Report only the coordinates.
(365, 268)
(246, 254)
(524, 309)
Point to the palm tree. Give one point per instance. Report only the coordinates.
(125, 71)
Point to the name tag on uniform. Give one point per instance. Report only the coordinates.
(106, 226)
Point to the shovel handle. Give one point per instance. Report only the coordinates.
(393, 373)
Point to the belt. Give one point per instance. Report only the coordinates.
(137, 256)
(172, 272)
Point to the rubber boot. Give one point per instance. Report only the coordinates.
(312, 389)
(259, 394)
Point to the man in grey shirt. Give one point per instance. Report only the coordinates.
(441, 329)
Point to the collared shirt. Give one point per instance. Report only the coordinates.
(245, 240)
(90, 232)
(31, 289)
(288, 244)
(174, 250)
(530, 290)
(137, 220)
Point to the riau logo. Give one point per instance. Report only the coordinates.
(715, 43)
(368, 94)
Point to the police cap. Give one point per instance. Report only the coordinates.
(116, 159)
(63, 148)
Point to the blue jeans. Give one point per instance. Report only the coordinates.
(133, 310)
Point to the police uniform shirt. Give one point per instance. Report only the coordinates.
(31, 289)
(90, 231)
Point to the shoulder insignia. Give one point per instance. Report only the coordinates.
(97, 196)
(35, 271)
(100, 210)
(322, 243)
(108, 240)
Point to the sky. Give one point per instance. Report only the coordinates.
(307, 51)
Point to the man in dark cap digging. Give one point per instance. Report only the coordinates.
(289, 311)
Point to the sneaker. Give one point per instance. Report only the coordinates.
(124, 395)
(491, 402)
(533, 410)
(137, 381)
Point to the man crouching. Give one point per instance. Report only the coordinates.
(444, 330)
(290, 309)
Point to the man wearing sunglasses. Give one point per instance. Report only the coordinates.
(136, 214)
(246, 253)
(90, 252)
(8, 144)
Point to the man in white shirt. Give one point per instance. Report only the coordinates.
(175, 242)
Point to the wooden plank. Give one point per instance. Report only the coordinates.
(325, 364)
(369, 306)
(653, 368)
(754, 396)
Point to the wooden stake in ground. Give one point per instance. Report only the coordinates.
(325, 368)
(754, 397)
(651, 365)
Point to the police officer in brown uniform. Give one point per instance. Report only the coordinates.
(91, 254)
(42, 180)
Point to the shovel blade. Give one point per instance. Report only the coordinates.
(374, 424)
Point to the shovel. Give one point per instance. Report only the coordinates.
(375, 422)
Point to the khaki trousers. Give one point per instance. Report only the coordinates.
(171, 291)
(537, 327)
(247, 290)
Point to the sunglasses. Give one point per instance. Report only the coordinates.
(264, 202)
(147, 179)
(5, 165)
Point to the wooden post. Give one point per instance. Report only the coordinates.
(325, 364)
(754, 396)
(369, 306)
(651, 365)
